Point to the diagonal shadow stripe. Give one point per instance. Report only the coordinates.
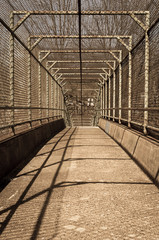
(18, 203)
(74, 159)
(74, 184)
(46, 202)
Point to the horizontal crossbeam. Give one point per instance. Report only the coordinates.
(82, 12)
(79, 68)
(82, 36)
(83, 51)
(84, 61)
(79, 73)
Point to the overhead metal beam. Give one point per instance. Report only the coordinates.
(84, 61)
(68, 78)
(120, 38)
(63, 68)
(71, 73)
(82, 12)
(132, 14)
(82, 36)
(77, 51)
(85, 89)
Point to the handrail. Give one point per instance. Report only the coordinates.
(133, 108)
(38, 108)
(133, 122)
(29, 121)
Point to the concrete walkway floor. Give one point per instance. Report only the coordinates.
(80, 185)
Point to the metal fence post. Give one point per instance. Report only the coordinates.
(120, 85)
(29, 81)
(52, 97)
(106, 92)
(130, 81)
(146, 72)
(101, 100)
(109, 86)
(47, 92)
(103, 106)
(12, 69)
(39, 78)
(114, 86)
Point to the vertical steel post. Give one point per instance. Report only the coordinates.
(53, 94)
(47, 92)
(52, 97)
(57, 99)
(65, 117)
(63, 102)
(62, 113)
(60, 102)
(103, 98)
(130, 81)
(109, 95)
(146, 72)
(114, 86)
(120, 85)
(106, 102)
(29, 82)
(39, 78)
(12, 70)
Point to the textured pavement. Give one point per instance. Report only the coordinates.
(80, 185)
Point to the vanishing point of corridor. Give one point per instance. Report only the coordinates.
(80, 185)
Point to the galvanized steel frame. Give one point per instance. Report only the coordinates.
(120, 38)
(132, 14)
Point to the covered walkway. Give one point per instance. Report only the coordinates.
(80, 185)
(79, 119)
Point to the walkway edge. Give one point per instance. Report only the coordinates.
(144, 151)
(16, 149)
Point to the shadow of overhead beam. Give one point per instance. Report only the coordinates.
(18, 203)
(42, 154)
(94, 134)
(92, 139)
(72, 146)
(71, 160)
(49, 193)
(74, 184)
(49, 143)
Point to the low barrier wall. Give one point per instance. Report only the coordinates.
(16, 149)
(142, 149)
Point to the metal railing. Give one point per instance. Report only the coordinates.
(154, 131)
